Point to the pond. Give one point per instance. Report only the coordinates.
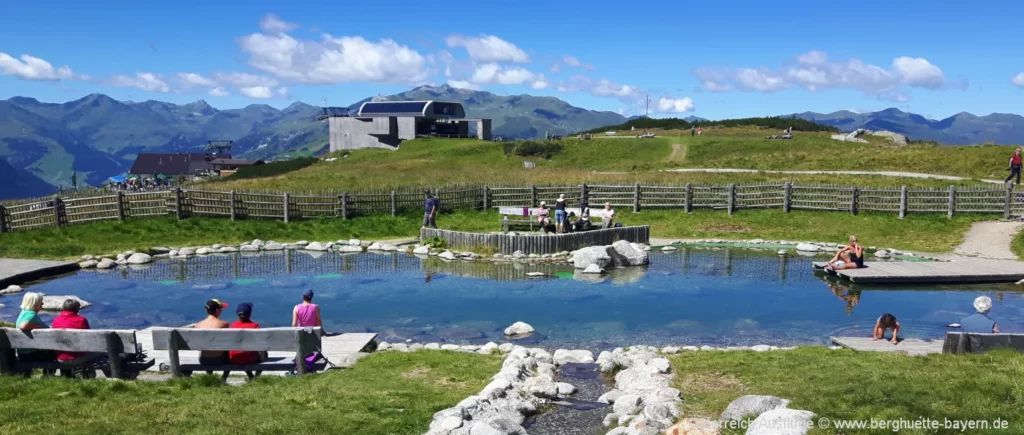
(693, 296)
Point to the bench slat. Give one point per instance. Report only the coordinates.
(271, 364)
(267, 339)
(65, 340)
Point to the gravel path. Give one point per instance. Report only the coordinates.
(990, 240)
(876, 173)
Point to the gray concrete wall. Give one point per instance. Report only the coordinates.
(483, 129)
(406, 128)
(357, 133)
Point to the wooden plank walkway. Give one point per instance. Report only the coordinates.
(342, 350)
(909, 346)
(972, 270)
(17, 271)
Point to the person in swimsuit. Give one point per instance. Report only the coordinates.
(849, 257)
(544, 216)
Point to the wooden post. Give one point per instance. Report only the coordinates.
(300, 354)
(177, 203)
(114, 350)
(231, 200)
(344, 205)
(853, 201)
(172, 354)
(487, 197)
(3, 229)
(533, 195)
(287, 197)
(903, 202)
(688, 198)
(120, 205)
(952, 202)
(1009, 200)
(394, 204)
(732, 198)
(636, 198)
(58, 210)
(584, 193)
(787, 195)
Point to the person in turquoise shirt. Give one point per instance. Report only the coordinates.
(28, 320)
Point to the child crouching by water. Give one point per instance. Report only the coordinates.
(886, 321)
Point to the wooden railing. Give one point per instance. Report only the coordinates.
(115, 205)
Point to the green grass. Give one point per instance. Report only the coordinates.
(850, 385)
(930, 233)
(270, 169)
(384, 393)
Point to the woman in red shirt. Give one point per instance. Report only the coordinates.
(244, 312)
(1015, 163)
(69, 319)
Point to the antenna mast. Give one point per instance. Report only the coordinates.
(647, 111)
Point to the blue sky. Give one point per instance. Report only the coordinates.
(712, 59)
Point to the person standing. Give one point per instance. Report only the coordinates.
(430, 210)
(980, 322)
(1015, 164)
(693, 130)
(307, 314)
(607, 216)
(560, 214)
(700, 130)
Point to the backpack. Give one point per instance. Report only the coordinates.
(311, 361)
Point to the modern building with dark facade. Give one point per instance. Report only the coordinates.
(385, 124)
(150, 164)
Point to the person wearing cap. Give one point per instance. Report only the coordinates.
(214, 308)
(307, 314)
(979, 322)
(244, 311)
(430, 210)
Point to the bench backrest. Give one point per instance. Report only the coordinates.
(67, 340)
(266, 339)
(531, 212)
(965, 342)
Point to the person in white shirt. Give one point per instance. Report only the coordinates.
(607, 215)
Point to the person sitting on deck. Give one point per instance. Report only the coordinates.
(306, 314)
(886, 321)
(544, 216)
(849, 257)
(244, 321)
(979, 322)
(69, 319)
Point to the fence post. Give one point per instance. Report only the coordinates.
(533, 195)
(177, 203)
(853, 201)
(343, 198)
(732, 197)
(286, 199)
(584, 192)
(3, 226)
(487, 197)
(636, 198)
(787, 195)
(394, 205)
(58, 210)
(952, 202)
(903, 202)
(688, 198)
(120, 205)
(231, 199)
(1009, 199)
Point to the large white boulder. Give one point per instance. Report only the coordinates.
(563, 356)
(139, 258)
(11, 289)
(752, 406)
(519, 328)
(624, 254)
(56, 303)
(106, 263)
(585, 257)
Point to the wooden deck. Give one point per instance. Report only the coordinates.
(342, 350)
(15, 271)
(974, 270)
(909, 346)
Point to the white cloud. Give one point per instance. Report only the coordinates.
(489, 48)
(494, 74)
(272, 23)
(917, 71)
(462, 84)
(282, 91)
(334, 60)
(34, 68)
(244, 80)
(572, 61)
(219, 92)
(813, 57)
(602, 88)
(1018, 80)
(146, 81)
(258, 92)
(189, 80)
(540, 82)
(760, 80)
(670, 105)
(608, 88)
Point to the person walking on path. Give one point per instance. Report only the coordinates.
(980, 322)
(307, 314)
(1015, 164)
(430, 210)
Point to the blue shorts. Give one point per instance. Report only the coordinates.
(559, 216)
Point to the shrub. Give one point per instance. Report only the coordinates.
(272, 169)
(531, 148)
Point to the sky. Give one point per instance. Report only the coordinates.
(724, 59)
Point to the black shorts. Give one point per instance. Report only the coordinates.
(214, 360)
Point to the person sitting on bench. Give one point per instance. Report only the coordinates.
(214, 308)
(980, 322)
(544, 216)
(849, 257)
(69, 319)
(242, 357)
(28, 320)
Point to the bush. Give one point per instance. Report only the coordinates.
(532, 148)
(272, 169)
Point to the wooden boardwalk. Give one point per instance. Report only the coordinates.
(909, 346)
(342, 350)
(972, 270)
(15, 271)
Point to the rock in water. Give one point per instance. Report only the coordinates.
(315, 246)
(11, 289)
(56, 303)
(624, 253)
(585, 257)
(752, 406)
(534, 274)
(270, 246)
(204, 251)
(519, 328)
(593, 268)
(422, 250)
(87, 264)
(139, 258)
(106, 263)
(447, 255)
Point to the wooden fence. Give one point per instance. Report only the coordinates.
(539, 244)
(108, 205)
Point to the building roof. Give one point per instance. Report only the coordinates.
(429, 109)
(174, 163)
(235, 162)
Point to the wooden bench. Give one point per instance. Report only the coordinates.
(302, 341)
(965, 342)
(116, 353)
(525, 217)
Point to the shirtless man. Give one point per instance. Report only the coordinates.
(214, 307)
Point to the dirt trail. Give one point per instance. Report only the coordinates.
(990, 240)
(678, 153)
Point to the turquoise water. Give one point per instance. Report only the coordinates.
(694, 296)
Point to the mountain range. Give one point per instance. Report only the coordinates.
(42, 144)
